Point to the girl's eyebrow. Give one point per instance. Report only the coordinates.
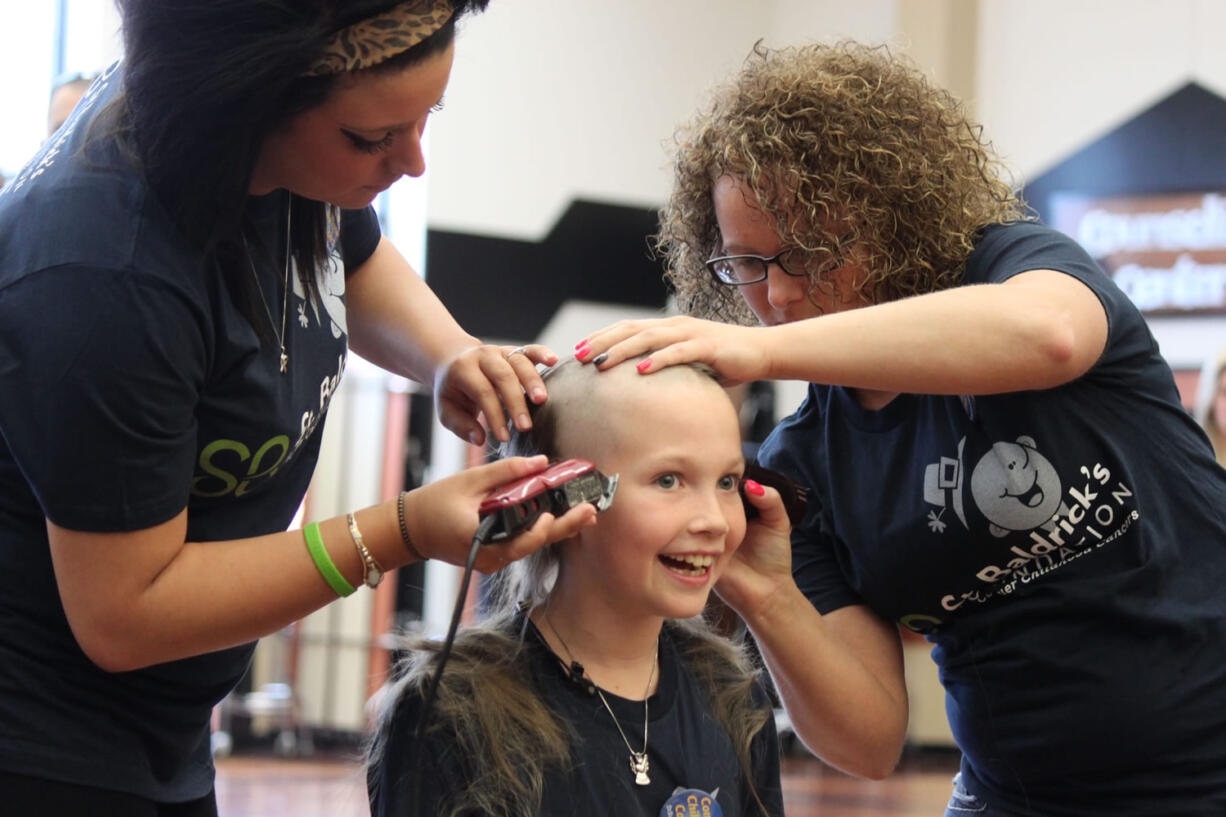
(678, 459)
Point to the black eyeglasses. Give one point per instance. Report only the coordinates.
(741, 270)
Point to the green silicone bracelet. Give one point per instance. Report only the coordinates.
(323, 562)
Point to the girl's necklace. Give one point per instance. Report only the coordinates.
(639, 764)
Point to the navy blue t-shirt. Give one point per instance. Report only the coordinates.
(131, 387)
(1064, 549)
(687, 748)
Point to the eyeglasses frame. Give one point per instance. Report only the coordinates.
(836, 257)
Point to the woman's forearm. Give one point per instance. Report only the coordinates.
(144, 597)
(1041, 329)
(840, 678)
(209, 595)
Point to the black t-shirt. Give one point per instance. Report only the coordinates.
(687, 749)
(1065, 551)
(131, 387)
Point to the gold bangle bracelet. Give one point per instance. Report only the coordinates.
(373, 572)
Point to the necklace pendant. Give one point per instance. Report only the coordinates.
(284, 362)
(639, 765)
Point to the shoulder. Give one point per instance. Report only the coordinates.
(482, 655)
(94, 218)
(488, 661)
(483, 661)
(792, 444)
(81, 200)
(713, 659)
(1004, 250)
(490, 725)
(993, 236)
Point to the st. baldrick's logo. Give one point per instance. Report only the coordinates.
(1018, 490)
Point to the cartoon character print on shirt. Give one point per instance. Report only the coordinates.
(943, 488)
(1045, 521)
(329, 310)
(1015, 487)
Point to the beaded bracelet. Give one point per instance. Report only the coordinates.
(404, 529)
(323, 562)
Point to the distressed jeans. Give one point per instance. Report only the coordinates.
(964, 804)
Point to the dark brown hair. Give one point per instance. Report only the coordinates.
(205, 83)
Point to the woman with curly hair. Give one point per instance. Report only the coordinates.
(996, 452)
(595, 686)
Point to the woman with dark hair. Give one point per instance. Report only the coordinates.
(996, 452)
(183, 269)
(595, 686)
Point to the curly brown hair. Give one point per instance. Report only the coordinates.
(845, 144)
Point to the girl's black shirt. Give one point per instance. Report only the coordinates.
(687, 749)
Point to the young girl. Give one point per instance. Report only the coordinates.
(595, 686)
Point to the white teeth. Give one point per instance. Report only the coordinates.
(697, 560)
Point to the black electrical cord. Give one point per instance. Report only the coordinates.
(479, 538)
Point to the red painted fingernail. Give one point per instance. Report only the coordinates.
(580, 354)
(754, 488)
(581, 344)
(642, 367)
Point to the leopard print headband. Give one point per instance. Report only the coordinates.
(381, 37)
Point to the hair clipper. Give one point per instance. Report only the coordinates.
(563, 485)
(795, 496)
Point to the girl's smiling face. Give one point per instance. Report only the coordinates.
(673, 439)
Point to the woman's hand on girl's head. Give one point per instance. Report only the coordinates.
(442, 516)
(762, 565)
(737, 353)
(495, 381)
